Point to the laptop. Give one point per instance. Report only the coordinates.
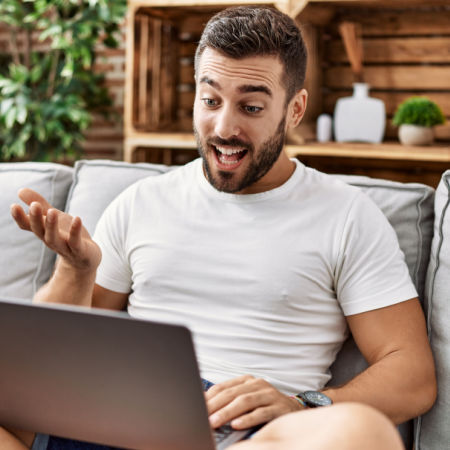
(101, 376)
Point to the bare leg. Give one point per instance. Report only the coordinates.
(15, 440)
(344, 426)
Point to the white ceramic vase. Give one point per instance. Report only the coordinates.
(415, 135)
(324, 128)
(359, 118)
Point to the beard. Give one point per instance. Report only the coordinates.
(261, 160)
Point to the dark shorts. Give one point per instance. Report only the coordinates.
(45, 442)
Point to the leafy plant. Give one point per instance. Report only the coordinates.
(48, 89)
(418, 111)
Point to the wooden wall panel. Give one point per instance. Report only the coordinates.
(406, 52)
(397, 50)
(398, 22)
(418, 77)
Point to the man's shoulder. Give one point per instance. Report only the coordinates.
(176, 177)
(318, 183)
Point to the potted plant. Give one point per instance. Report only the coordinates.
(415, 118)
(48, 88)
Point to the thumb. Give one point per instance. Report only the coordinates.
(29, 196)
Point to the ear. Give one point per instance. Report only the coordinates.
(296, 108)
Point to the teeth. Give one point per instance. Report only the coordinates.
(229, 151)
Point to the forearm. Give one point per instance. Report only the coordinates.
(400, 385)
(68, 285)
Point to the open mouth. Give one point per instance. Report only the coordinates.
(229, 157)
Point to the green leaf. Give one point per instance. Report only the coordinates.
(19, 73)
(6, 105)
(53, 31)
(10, 117)
(21, 113)
(36, 72)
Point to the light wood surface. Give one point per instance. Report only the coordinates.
(388, 151)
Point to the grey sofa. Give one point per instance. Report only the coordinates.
(419, 215)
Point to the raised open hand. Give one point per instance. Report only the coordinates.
(61, 232)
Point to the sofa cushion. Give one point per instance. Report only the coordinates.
(26, 261)
(432, 430)
(98, 182)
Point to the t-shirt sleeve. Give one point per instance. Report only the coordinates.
(371, 271)
(114, 272)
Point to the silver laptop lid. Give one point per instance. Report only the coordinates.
(100, 376)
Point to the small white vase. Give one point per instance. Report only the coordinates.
(415, 135)
(359, 118)
(324, 128)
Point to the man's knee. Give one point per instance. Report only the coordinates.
(344, 426)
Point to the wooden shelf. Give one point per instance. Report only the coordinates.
(388, 150)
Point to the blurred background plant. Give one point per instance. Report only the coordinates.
(418, 111)
(48, 93)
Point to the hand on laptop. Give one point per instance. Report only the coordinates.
(246, 401)
(61, 232)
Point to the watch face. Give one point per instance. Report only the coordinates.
(314, 398)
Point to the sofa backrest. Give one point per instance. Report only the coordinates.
(433, 429)
(97, 182)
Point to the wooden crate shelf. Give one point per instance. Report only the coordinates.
(405, 53)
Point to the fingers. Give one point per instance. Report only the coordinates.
(246, 402)
(20, 217)
(29, 196)
(65, 244)
(37, 221)
(75, 241)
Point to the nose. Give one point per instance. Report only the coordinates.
(227, 123)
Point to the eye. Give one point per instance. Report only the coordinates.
(209, 102)
(252, 109)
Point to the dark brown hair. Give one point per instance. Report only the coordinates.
(245, 31)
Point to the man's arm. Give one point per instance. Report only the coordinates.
(73, 280)
(399, 382)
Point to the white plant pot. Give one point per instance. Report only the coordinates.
(415, 135)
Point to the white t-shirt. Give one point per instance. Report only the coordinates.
(262, 280)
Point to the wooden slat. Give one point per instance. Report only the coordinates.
(402, 22)
(393, 77)
(186, 75)
(391, 99)
(193, 24)
(396, 50)
(143, 68)
(156, 72)
(186, 100)
(187, 49)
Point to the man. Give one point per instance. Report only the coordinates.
(268, 262)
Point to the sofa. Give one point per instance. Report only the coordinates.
(418, 213)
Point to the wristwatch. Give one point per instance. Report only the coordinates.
(314, 399)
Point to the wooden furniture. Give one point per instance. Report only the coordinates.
(405, 47)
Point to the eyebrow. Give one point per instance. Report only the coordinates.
(244, 89)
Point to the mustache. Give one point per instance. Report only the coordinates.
(233, 142)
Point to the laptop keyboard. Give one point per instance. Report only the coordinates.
(222, 433)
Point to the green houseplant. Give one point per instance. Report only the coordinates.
(415, 118)
(48, 89)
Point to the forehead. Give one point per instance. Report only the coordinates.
(259, 70)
